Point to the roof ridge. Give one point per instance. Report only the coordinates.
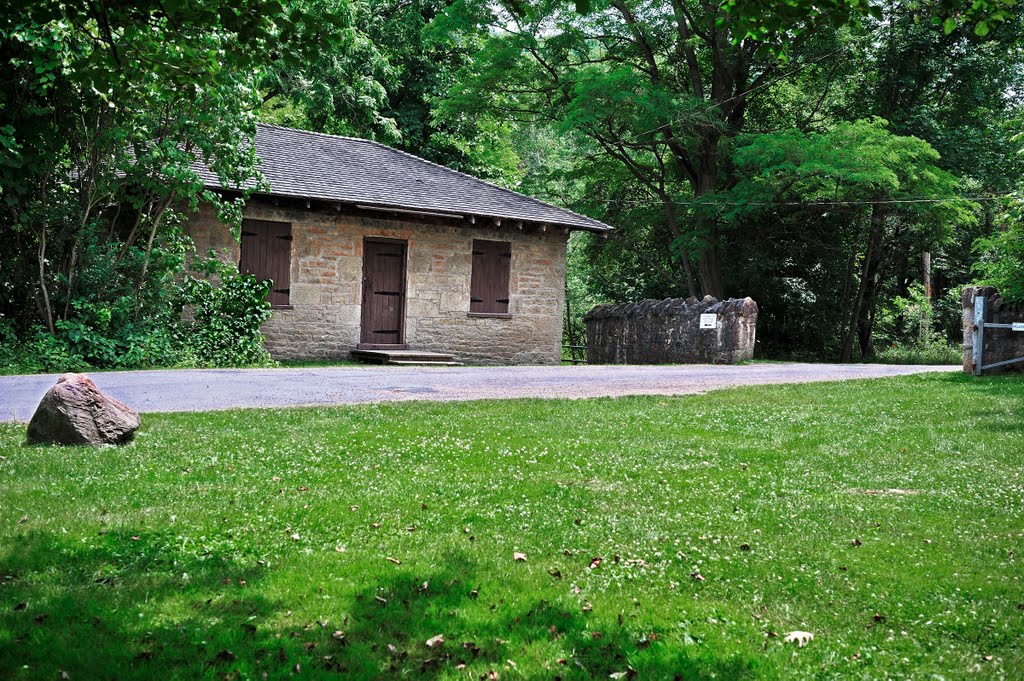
(320, 134)
(436, 165)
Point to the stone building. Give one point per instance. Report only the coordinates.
(371, 248)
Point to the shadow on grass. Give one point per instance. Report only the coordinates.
(123, 610)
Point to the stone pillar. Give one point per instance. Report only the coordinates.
(999, 344)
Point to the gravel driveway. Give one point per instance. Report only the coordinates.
(212, 389)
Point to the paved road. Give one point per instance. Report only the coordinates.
(212, 389)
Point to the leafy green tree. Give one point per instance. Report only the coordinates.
(105, 107)
(659, 88)
(873, 177)
(1001, 255)
(763, 19)
(383, 83)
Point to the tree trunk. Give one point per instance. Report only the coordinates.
(710, 258)
(711, 267)
(926, 275)
(868, 271)
(47, 310)
(670, 215)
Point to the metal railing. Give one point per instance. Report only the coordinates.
(575, 350)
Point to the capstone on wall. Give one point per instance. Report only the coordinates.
(326, 285)
(668, 332)
(1000, 344)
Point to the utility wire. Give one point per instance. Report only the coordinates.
(806, 204)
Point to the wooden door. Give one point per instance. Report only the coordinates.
(383, 318)
(266, 253)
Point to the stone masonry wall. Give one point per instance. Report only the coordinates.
(668, 332)
(1000, 344)
(326, 286)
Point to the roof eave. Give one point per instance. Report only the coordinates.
(597, 228)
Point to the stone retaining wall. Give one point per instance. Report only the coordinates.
(1000, 344)
(323, 321)
(668, 332)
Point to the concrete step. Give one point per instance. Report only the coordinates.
(405, 357)
(411, 363)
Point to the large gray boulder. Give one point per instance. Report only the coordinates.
(76, 412)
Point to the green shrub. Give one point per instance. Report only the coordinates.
(917, 329)
(224, 313)
(938, 352)
(210, 317)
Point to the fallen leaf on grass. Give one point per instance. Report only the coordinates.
(557, 574)
(697, 576)
(393, 560)
(519, 557)
(801, 638)
(596, 561)
(856, 542)
(435, 641)
(22, 520)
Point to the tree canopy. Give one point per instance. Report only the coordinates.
(832, 159)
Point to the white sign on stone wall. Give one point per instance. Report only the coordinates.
(709, 321)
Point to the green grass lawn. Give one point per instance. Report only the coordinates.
(670, 536)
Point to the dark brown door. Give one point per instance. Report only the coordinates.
(266, 253)
(383, 321)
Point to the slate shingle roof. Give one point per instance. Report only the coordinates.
(310, 165)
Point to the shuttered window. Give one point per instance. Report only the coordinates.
(492, 263)
(267, 254)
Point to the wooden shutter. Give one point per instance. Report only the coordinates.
(489, 282)
(266, 253)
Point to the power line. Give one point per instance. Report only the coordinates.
(807, 204)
